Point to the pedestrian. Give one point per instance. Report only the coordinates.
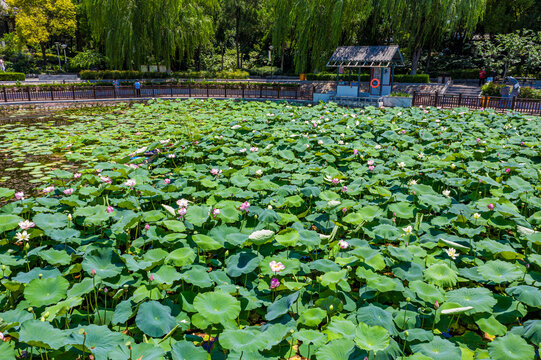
(482, 77)
(115, 87)
(2, 65)
(137, 88)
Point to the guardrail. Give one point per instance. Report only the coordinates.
(527, 106)
(29, 94)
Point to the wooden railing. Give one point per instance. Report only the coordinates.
(23, 94)
(527, 106)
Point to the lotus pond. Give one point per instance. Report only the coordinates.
(228, 230)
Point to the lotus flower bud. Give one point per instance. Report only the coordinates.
(3, 267)
(331, 308)
(30, 309)
(93, 272)
(81, 331)
(40, 275)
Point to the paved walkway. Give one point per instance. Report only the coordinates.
(464, 89)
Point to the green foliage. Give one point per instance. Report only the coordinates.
(114, 74)
(492, 89)
(86, 60)
(399, 78)
(11, 76)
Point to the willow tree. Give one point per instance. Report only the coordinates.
(133, 31)
(426, 23)
(316, 27)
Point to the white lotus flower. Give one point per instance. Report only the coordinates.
(476, 216)
(378, 146)
(451, 252)
(402, 165)
(412, 182)
(183, 203)
(130, 183)
(446, 193)
(259, 172)
(421, 155)
(261, 235)
(343, 244)
(24, 236)
(456, 310)
(408, 229)
(276, 266)
(235, 127)
(333, 203)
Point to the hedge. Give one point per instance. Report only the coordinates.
(11, 76)
(212, 84)
(131, 75)
(492, 89)
(399, 78)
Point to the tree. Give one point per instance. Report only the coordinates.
(426, 23)
(134, 31)
(36, 21)
(316, 27)
(521, 49)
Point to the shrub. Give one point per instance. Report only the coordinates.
(530, 93)
(399, 78)
(237, 74)
(116, 74)
(492, 89)
(11, 76)
(86, 60)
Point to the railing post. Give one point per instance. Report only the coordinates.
(171, 90)
(242, 87)
(153, 93)
(485, 103)
(278, 91)
(208, 86)
(94, 90)
(5, 95)
(296, 92)
(413, 102)
(189, 89)
(260, 91)
(52, 94)
(73, 91)
(459, 99)
(436, 99)
(513, 103)
(28, 93)
(225, 90)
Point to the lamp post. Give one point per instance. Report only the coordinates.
(270, 60)
(58, 52)
(64, 46)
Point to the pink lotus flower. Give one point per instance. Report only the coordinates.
(151, 277)
(130, 183)
(522, 143)
(68, 191)
(253, 149)
(507, 170)
(370, 162)
(183, 203)
(48, 189)
(344, 188)
(147, 227)
(335, 181)
(110, 209)
(27, 224)
(245, 206)
(181, 211)
(371, 168)
(167, 181)
(436, 304)
(274, 283)
(76, 175)
(344, 210)
(343, 244)
(215, 172)
(106, 179)
(171, 156)
(355, 151)
(490, 206)
(478, 140)
(215, 212)
(19, 195)
(93, 272)
(276, 266)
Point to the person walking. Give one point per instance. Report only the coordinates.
(2, 65)
(137, 88)
(115, 87)
(482, 77)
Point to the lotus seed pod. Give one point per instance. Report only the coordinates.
(408, 299)
(406, 333)
(42, 319)
(128, 343)
(46, 315)
(40, 276)
(81, 331)
(3, 267)
(30, 309)
(331, 308)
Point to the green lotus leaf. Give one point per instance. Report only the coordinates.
(42, 334)
(491, 326)
(532, 331)
(510, 347)
(371, 338)
(527, 294)
(440, 274)
(339, 349)
(312, 317)
(217, 307)
(341, 328)
(35, 273)
(288, 237)
(229, 214)
(500, 272)
(165, 274)
(206, 242)
(241, 263)
(330, 279)
(310, 336)
(185, 350)
(375, 316)
(154, 319)
(281, 306)
(242, 340)
(174, 225)
(50, 221)
(427, 292)
(40, 292)
(480, 299)
(197, 276)
(123, 312)
(7, 351)
(98, 340)
(180, 257)
(402, 210)
(6, 193)
(137, 351)
(55, 257)
(9, 222)
(106, 263)
(197, 215)
(438, 349)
